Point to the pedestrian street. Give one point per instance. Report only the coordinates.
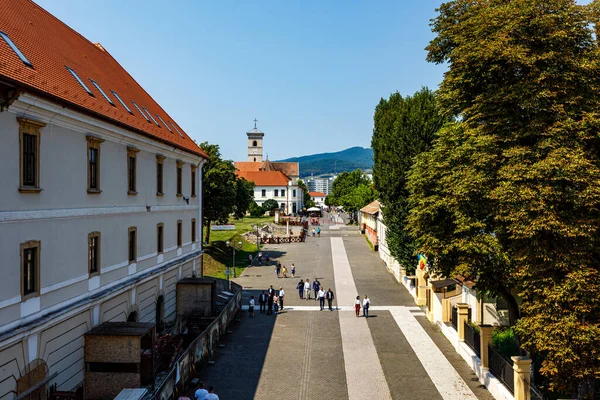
(303, 352)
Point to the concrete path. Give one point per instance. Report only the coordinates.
(304, 352)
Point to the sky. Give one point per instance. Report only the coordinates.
(310, 71)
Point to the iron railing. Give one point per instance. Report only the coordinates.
(455, 318)
(473, 339)
(501, 368)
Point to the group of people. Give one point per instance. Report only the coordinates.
(282, 270)
(202, 394)
(365, 306)
(317, 231)
(269, 302)
(304, 290)
(259, 258)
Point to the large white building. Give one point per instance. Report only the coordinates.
(100, 200)
(322, 185)
(273, 180)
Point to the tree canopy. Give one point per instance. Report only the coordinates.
(351, 190)
(511, 193)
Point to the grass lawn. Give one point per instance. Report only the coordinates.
(218, 257)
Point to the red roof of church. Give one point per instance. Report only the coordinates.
(317, 194)
(288, 168)
(265, 178)
(51, 46)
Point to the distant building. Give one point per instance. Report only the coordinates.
(368, 222)
(318, 198)
(272, 180)
(100, 203)
(322, 185)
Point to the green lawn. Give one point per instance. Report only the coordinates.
(218, 257)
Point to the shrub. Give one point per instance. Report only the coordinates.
(503, 341)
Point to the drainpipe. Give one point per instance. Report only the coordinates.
(200, 220)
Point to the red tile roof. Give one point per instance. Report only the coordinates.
(51, 46)
(265, 178)
(317, 194)
(288, 168)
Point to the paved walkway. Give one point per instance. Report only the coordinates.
(303, 352)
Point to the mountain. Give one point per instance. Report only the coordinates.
(330, 163)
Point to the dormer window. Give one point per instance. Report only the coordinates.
(163, 122)
(121, 101)
(150, 115)
(140, 110)
(83, 85)
(102, 92)
(14, 48)
(175, 127)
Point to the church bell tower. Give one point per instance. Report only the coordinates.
(255, 145)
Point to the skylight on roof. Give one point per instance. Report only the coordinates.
(121, 101)
(140, 110)
(150, 115)
(102, 92)
(174, 126)
(14, 48)
(163, 122)
(87, 89)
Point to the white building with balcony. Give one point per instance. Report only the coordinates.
(100, 200)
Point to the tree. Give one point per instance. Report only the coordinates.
(404, 127)
(307, 201)
(256, 210)
(244, 192)
(351, 190)
(218, 188)
(524, 77)
(270, 205)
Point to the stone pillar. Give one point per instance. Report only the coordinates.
(485, 333)
(402, 272)
(463, 317)
(446, 310)
(522, 367)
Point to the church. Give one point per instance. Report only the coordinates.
(272, 180)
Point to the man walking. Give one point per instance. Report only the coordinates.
(211, 394)
(316, 286)
(300, 288)
(262, 301)
(270, 294)
(329, 296)
(201, 393)
(307, 290)
(321, 295)
(281, 294)
(366, 304)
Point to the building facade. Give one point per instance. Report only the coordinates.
(100, 206)
(318, 198)
(322, 185)
(368, 222)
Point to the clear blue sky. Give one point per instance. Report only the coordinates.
(310, 71)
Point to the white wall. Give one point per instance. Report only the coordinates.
(288, 199)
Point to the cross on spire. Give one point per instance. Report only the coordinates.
(255, 121)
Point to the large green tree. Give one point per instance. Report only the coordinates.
(351, 190)
(404, 127)
(306, 199)
(244, 197)
(219, 188)
(524, 78)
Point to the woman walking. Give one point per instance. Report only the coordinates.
(276, 303)
(284, 271)
(293, 270)
(357, 306)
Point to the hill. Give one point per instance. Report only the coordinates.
(330, 163)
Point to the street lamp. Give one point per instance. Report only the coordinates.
(233, 247)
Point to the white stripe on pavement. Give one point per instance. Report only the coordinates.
(443, 375)
(360, 355)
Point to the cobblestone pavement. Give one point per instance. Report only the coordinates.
(299, 354)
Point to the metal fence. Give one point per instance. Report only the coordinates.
(455, 318)
(473, 339)
(502, 369)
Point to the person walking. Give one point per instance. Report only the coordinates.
(357, 306)
(321, 295)
(183, 397)
(316, 286)
(251, 306)
(307, 290)
(270, 294)
(278, 269)
(262, 302)
(284, 271)
(366, 304)
(281, 295)
(300, 288)
(329, 296)
(293, 269)
(249, 260)
(200, 393)
(211, 394)
(276, 303)
(268, 258)
(319, 231)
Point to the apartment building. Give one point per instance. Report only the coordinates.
(100, 200)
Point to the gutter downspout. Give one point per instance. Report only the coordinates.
(200, 220)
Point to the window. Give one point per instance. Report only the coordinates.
(140, 110)
(179, 233)
(121, 101)
(264, 193)
(93, 153)
(254, 143)
(83, 85)
(276, 192)
(131, 170)
(102, 92)
(94, 253)
(282, 192)
(30, 264)
(175, 127)
(14, 48)
(294, 210)
(179, 176)
(132, 244)
(150, 115)
(193, 230)
(159, 238)
(294, 193)
(29, 141)
(159, 175)
(193, 181)
(283, 206)
(163, 122)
